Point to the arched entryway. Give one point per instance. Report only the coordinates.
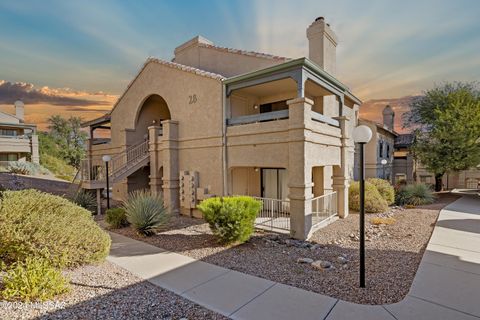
(152, 111)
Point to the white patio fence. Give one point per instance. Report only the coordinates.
(275, 213)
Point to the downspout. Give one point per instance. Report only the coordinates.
(224, 140)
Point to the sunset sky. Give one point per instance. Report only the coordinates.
(76, 57)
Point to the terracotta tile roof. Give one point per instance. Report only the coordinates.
(186, 68)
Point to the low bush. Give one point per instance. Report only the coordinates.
(86, 200)
(414, 195)
(145, 212)
(27, 168)
(385, 189)
(37, 224)
(374, 202)
(116, 218)
(231, 219)
(34, 279)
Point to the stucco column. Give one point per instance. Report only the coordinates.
(34, 148)
(170, 165)
(341, 177)
(155, 150)
(300, 171)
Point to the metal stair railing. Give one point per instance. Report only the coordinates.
(128, 159)
(93, 169)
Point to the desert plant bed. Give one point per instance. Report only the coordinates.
(394, 251)
(106, 291)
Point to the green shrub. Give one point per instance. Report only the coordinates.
(37, 224)
(34, 279)
(116, 218)
(414, 195)
(385, 189)
(374, 202)
(86, 200)
(145, 212)
(26, 168)
(59, 167)
(231, 219)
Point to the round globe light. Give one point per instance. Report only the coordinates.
(384, 161)
(106, 158)
(362, 134)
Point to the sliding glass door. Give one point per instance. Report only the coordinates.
(274, 183)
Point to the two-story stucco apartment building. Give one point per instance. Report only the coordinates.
(221, 121)
(18, 140)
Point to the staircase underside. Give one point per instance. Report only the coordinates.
(118, 175)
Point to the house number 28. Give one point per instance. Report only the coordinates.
(192, 99)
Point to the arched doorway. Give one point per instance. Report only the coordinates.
(152, 111)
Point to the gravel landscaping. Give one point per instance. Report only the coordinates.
(328, 263)
(109, 292)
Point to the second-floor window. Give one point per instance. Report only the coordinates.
(380, 149)
(8, 132)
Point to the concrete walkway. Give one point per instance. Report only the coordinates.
(447, 284)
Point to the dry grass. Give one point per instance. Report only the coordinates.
(380, 220)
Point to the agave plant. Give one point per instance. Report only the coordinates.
(145, 212)
(85, 200)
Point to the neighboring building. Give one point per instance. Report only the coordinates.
(380, 147)
(18, 140)
(406, 168)
(222, 121)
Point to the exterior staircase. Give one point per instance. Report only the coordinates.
(93, 173)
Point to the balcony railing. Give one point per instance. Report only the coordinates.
(260, 117)
(23, 137)
(278, 115)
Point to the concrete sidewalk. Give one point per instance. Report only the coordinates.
(447, 284)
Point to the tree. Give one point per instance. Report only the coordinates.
(446, 122)
(68, 137)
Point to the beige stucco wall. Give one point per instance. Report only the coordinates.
(221, 61)
(199, 124)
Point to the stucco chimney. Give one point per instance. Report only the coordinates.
(322, 45)
(388, 117)
(19, 110)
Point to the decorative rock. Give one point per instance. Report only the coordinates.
(342, 260)
(304, 260)
(322, 265)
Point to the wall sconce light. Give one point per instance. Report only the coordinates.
(154, 121)
(256, 169)
(255, 107)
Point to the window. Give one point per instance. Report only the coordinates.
(388, 150)
(8, 157)
(380, 150)
(8, 132)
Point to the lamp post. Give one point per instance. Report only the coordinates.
(362, 135)
(383, 162)
(106, 159)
